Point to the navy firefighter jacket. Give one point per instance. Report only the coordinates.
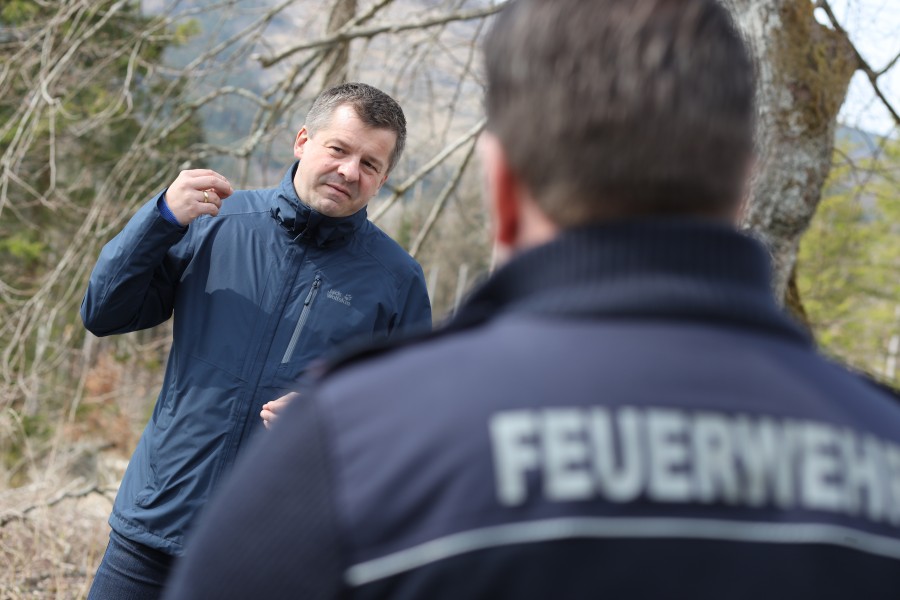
(257, 293)
(621, 413)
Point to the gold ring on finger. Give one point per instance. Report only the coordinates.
(205, 196)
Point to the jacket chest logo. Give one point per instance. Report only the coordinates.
(339, 297)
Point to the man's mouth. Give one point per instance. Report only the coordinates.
(339, 188)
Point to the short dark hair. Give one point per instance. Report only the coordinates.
(372, 106)
(611, 108)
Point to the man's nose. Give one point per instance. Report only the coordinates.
(349, 169)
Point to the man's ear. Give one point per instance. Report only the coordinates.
(381, 183)
(300, 142)
(503, 191)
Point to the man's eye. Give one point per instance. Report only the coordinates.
(370, 167)
(336, 149)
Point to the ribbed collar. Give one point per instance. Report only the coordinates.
(306, 224)
(686, 269)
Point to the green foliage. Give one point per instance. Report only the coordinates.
(79, 142)
(185, 31)
(17, 12)
(21, 247)
(15, 449)
(849, 263)
(403, 235)
(102, 100)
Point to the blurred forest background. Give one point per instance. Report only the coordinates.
(102, 102)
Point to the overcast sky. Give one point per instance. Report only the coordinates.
(874, 27)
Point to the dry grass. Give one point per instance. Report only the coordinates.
(53, 534)
(57, 491)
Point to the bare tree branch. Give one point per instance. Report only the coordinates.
(350, 33)
(92, 488)
(427, 168)
(888, 66)
(863, 64)
(335, 37)
(438, 207)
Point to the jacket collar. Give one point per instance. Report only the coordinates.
(685, 270)
(689, 269)
(308, 225)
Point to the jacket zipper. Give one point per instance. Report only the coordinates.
(304, 315)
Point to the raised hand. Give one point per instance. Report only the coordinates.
(197, 192)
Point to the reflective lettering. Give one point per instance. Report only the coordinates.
(670, 455)
(820, 468)
(715, 476)
(862, 465)
(892, 460)
(766, 451)
(619, 467)
(513, 454)
(666, 437)
(566, 476)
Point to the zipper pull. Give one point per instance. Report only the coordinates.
(314, 287)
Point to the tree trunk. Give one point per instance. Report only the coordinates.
(803, 70)
(339, 56)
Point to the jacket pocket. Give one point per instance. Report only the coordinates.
(331, 326)
(301, 322)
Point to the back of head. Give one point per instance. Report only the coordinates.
(372, 106)
(620, 108)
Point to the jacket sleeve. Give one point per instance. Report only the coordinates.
(134, 281)
(271, 530)
(414, 307)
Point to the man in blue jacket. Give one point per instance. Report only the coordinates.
(622, 410)
(261, 283)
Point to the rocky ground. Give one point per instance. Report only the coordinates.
(53, 532)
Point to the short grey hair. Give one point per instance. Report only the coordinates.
(372, 106)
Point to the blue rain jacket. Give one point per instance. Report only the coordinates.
(258, 293)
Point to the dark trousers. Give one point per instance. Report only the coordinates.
(130, 571)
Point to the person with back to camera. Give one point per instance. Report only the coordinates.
(622, 410)
(262, 283)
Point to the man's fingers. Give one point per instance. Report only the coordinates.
(208, 208)
(210, 196)
(207, 202)
(212, 183)
(270, 410)
(204, 179)
(280, 403)
(268, 417)
(197, 192)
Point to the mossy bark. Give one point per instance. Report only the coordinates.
(804, 70)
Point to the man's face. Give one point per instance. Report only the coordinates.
(343, 165)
